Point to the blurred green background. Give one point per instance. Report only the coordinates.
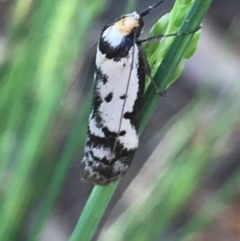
(188, 186)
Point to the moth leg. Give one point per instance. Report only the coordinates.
(161, 36)
(148, 73)
(157, 89)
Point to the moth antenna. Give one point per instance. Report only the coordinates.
(149, 9)
(78, 74)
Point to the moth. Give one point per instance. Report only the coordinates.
(119, 81)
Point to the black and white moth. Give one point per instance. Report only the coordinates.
(120, 73)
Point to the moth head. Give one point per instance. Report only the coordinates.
(129, 24)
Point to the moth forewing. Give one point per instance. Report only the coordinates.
(118, 90)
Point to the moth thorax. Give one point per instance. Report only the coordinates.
(129, 23)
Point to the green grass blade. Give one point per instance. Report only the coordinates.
(93, 212)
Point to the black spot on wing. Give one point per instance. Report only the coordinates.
(122, 133)
(90, 163)
(100, 76)
(128, 115)
(108, 98)
(122, 97)
(108, 133)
